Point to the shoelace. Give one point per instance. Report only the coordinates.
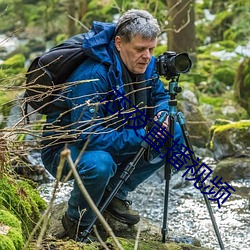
(127, 203)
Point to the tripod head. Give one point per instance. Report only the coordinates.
(174, 88)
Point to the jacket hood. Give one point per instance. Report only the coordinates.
(98, 43)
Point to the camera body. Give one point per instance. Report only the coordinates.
(171, 65)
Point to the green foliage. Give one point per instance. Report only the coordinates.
(17, 61)
(214, 101)
(229, 23)
(224, 75)
(12, 67)
(242, 84)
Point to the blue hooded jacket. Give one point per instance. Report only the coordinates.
(89, 118)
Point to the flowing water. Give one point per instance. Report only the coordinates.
(187, 212)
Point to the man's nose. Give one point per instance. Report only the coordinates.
(146, 54)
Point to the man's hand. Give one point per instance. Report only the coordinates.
(165, 124)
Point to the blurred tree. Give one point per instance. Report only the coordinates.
(181, 27)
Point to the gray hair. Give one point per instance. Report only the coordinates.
(137, 22)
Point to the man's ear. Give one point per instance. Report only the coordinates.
(118, 42)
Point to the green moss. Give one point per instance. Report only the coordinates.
(21, 199)
(13, 239)
(9, 219)
(236, 125)
(13, 71)
(6, 243)
(16, 237)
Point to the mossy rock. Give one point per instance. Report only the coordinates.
(150, 235)
(230, 140)
(128, 244)
(21, 199)
(11, 237)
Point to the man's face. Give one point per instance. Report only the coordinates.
(137, 53)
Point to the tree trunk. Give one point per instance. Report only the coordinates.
(181, 27)
(83, 7)
(71, 6)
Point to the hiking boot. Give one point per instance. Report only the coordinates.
(121, 211)
(75, 231)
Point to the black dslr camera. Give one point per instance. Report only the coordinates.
(171, 65)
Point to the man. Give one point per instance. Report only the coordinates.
(101, 115)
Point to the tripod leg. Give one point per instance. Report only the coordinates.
(164, 230)
(124, 176)
(167, 176)
(181, 121)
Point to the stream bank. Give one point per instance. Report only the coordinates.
(188, 215)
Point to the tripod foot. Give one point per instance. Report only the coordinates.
(164, 232)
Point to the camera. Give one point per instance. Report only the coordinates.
(171, 65)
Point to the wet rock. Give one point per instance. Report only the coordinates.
(233, 169)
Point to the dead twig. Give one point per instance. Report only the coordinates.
(67, 155)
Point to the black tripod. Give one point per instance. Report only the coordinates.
(173, 90)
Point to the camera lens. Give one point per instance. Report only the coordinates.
(170, 65)
(182, 63)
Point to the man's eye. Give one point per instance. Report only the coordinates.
(139, 50)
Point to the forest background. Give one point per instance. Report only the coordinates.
(214, 33)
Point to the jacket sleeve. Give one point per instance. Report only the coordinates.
(88, 115)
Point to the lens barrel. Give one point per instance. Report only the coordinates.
(171, 64)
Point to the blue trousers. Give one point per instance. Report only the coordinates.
(99, 170)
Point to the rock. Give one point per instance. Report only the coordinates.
(233, 169)
(149, 238)
(197, 125)
(231, 139)
(189, 96)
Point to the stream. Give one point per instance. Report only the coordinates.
(187, 212)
